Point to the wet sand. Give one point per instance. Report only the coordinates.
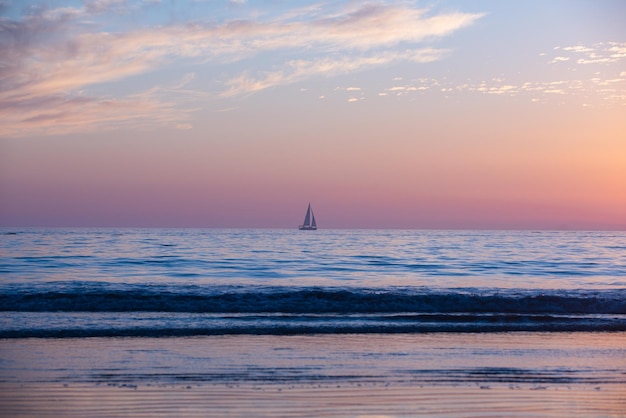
(441, 375)
(268, 400)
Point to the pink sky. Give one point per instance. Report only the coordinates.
(447, 117)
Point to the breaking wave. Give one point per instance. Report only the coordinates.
(106, 310)
(94, 297)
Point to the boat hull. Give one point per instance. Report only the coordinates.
(307, 228)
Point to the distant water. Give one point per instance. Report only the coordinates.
(200, 282)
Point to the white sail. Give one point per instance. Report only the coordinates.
(309, 223)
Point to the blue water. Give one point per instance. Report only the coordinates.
(203, 282)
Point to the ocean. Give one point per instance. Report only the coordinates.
(284, 318)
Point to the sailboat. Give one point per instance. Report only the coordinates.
(309, 221)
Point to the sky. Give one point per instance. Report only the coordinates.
(445, 114)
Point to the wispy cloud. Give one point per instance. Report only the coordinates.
(559, 59)
(56, 115)
(299, 70)
(55, 56)
(599, 53)
(610, 91)
(606, 80)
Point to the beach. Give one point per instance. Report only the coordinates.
(216, 401)
(444, 375)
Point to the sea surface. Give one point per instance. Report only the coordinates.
(174, 282)
(322, 309)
